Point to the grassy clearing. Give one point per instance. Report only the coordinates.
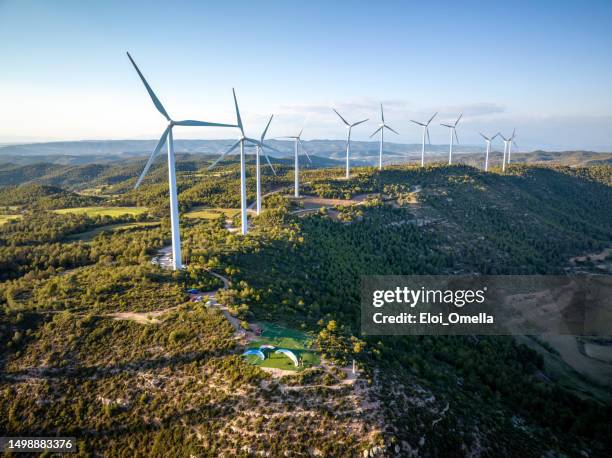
(296, 341)
(90, 235)
(103, 211)
(6, 218)
(211, 213)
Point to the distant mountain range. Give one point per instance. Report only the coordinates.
(363, 153)
(103, 151)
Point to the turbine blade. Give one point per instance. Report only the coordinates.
(391, 129)
(266, 129)
(300, 134)
(446, 125)
(156, 101)
(456, 137)
(431, 119)
(428, 139)
(458, 119)
(269, 163)
(233, 147)
(417, 122)
(359, 122)
(343, 120)
(190, 122)
(376, 131)
(382, 114)
(160, 143)
(238, 119)
(483, 136)
(304, 149)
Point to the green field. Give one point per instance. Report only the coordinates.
(212, 213)
(103, 211)
(296, 341)
(90, 235)
(6, 218)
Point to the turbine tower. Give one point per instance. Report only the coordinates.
(381, 128)
(453, 131)
(258, 151)
(297, 142)
(425, 132)
(348, 140)
(167, 137)
(511, 142)
(241, 141)
(505, 140)
(488, 140)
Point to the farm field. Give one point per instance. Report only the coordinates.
(6, 218)
(211, 213)
(103, 211)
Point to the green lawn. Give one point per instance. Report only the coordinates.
(90, 235)
(291, 339)
(6, 218)
(211, 213)
(103, 211)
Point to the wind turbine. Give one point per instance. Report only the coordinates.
(297, 139)
(453, 131)
(511, 142)
(488, 140)
(506, 141)
(381, 128)
(259, 150)
(241, 141)
(168, 138)
(425, 132)
(348, 140)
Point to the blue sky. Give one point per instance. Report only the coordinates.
(543, 67)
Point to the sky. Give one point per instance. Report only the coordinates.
(542, 67)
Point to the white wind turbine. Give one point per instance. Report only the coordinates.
(488, 141)
(241, 141)
(381, 128)
(510, 143)
(297, 142)
(453, 131)
(506, 141)
(348, 140)
(169, 139)
(425, 132)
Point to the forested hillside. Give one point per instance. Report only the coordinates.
(99, 343)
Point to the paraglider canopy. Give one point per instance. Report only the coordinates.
(289, 354)
(255, 352)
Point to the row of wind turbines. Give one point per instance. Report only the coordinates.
(508, 142)
(260, 147)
